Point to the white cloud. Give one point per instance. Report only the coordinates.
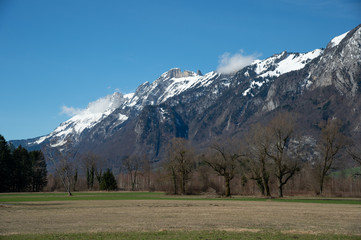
(70, 111)
(101, 105)
(231, 63)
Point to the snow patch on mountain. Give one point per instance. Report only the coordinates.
(279, 64)
(122, 117)
(285, 63)
(254, 84)
(168, 85)
(179, 85)
(336, 40)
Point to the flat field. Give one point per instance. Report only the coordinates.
(158, 216)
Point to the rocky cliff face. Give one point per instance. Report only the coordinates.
(316, 86)
(340, 65)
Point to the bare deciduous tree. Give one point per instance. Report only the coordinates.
(132, 165)
(64, 168)
(330, 143)
(146, 171)
(279, 130)
(356, 155)
(354, 151)
(180, 162)
(90, 162)
(224, 162)
(258, 161)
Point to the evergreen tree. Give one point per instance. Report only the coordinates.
(5, 166)
(23, 170)
(108, 181)
(39, 172)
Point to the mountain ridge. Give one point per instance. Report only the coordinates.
(200, 107)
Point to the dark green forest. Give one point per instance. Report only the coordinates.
(21, 170)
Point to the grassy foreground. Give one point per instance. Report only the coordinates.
(144, 215)
(177, 235)
(39, 197)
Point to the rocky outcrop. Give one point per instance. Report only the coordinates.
(340, 65)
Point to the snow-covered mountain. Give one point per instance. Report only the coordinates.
(201, 107)
(169, 84)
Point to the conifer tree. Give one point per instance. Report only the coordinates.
(39, 171)
(23, 170)
(108, 181)
(5, 165)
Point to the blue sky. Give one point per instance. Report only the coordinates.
(71, 52)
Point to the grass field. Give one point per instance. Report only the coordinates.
(40, 197)
(140, 215)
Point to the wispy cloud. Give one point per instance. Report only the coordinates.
(229, 63)
(70, 111)
(101, 105)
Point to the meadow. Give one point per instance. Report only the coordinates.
(143, 215)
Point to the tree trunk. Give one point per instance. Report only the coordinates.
(183, 185)
(280, 188)
(69, 186)
(265, 179)
(260, 185)
(322, 179)
(175, 183)
(266, 186)
(228, 187)
(133, 179)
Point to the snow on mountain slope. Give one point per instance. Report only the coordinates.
(182, 84)
(85, 119)
(284, 63)
(336, 40)
(277, 65)
(168, 85)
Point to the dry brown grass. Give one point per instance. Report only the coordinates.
(158, 215)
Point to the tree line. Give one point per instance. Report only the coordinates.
(268, 152)
(21, 170)
(66, 170)
(269, 159)
(269, 155)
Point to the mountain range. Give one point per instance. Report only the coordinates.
(317, 85)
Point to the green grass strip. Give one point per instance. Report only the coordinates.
(32, 197)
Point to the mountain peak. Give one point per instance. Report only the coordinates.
(177, 73)
(336, 40)
(340, 64)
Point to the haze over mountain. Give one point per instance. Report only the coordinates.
(316, 86)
